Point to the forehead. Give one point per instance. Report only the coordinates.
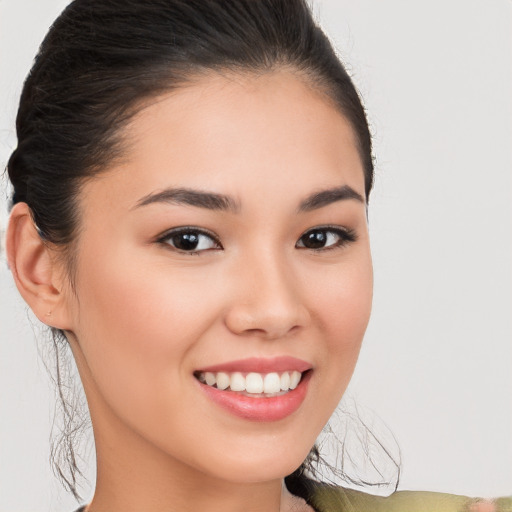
(235, 134)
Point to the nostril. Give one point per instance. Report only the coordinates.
(265, 321)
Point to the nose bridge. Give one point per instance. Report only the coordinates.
(268, 301)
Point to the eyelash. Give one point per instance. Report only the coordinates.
(345, 237)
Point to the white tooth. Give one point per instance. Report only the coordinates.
(209, 378)
(295, 379)
(254, 383)
(237, 382)
(285, 381)
(222, 380)
(271, 383)
(201, 377)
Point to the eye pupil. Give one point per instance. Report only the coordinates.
(315, 239)
(186, 241)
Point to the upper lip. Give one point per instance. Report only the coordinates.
(260, 365)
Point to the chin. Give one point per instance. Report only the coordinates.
(263, 466)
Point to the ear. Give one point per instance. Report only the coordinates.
(37, 272)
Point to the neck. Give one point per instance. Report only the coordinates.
(147, 486)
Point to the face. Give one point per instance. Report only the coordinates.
(229, 249)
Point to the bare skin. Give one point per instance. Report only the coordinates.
(146, 315)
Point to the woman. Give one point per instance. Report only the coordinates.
(190, 196)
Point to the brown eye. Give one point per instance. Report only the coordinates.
(190, 240)
(325, 238)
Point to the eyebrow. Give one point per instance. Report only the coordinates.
(221, 202)
(191, 197)
(326, 197)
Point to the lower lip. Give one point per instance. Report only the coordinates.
(259, 409)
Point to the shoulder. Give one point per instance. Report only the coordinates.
(337, 499)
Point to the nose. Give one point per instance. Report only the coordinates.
(267, 301)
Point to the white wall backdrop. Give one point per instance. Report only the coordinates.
(436, 365)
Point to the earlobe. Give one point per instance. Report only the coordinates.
(34, 269)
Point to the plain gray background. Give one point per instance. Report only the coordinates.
(436, 363)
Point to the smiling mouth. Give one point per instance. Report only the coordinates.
(252, 384)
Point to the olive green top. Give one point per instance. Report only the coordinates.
(338, 499)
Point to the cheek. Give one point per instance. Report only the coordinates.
(343, 306)
(137, 323)
(133, 301)
(343, 295)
